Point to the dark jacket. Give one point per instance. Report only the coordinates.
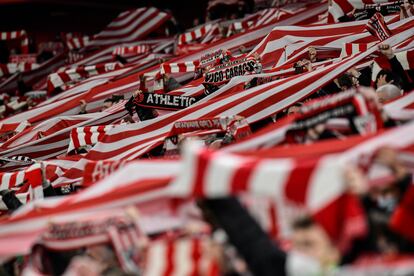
(253, 244)
(142, 112)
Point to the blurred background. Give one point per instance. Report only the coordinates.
(43, 19)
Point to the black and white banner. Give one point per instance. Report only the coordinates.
(223, 73)
(385, 8)
(164, 101)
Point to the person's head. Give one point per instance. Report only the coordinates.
(128, 119)
(388, 92)
(385, 175)
(165, 77)
(294, 108)
(106, 104)
(354, 74)
(256, 56)
(312, 54)
(384, 77)
(385, 196)
(226, 56)
(103, 254)
(216, 144)
(116, 98)
(346, 82)
(31, 102)
(196, 21)
(311, 239)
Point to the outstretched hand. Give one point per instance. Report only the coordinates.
(386, 50)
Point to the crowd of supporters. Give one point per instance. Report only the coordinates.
(105, 200)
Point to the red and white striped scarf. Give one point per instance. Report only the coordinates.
(77, 42)
(130, 26)
(350, 49)
(34, 77)
(12, 68)
(117, 192)
(195, 34)
(238, 27)
(339, 8)
(140, 140)
(57, 80)
(22, 35)
(402, 108)
(217, 173)
(125, 51)
(181, 256)
(330, 35)
(27, 183)
(378, 28)
(55, 139)
(32, 175)
(119, 229)
(268, 16)
(14, 127)
(89, 135)
(183, 67)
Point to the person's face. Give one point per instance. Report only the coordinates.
(386, 196)
(293, 109)
(96, 252)
(344, 88)
(381, 97)
(381, 80)
(355, 81)
(312, 54)
(30, 102)
(106, 105)
(101, 253)
(314, 242)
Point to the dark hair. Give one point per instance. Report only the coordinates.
(298, 69)
(121, 59)
(303, 223)
(345, 80)
(389, 76)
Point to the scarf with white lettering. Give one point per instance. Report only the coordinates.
(363, 114)
(225, 72)
(219, 123)
(211, 58)
(233, 125)
(164, 101)
(121, 231)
